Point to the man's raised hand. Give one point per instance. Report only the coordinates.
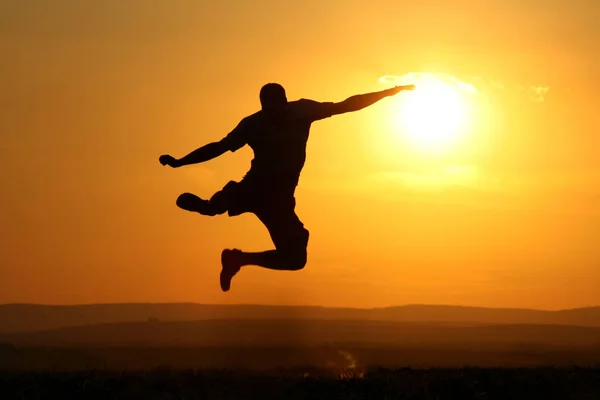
(168, 160)
(398, 89)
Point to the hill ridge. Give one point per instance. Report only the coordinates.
(24, 317)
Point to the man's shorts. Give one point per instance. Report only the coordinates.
(275, 207)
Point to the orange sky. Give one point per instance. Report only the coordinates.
(92, 92)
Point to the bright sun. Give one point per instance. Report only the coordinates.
(434, 115)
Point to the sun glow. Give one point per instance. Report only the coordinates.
(435, 116)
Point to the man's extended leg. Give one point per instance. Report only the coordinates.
(218, 204)
(290, 239)
(193, 203)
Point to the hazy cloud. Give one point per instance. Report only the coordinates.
(423, 77)
(538, 93)
(476, 85)
(201, 176)
(535, 93)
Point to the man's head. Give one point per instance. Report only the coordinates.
(273, 99)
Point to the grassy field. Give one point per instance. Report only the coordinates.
(376, 383)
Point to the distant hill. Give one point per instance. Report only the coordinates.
(32, 317)
(306, 332)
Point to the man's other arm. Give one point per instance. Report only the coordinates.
(235, 140)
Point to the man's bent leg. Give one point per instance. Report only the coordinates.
(279, 260)
(290, 254)
(289, 237)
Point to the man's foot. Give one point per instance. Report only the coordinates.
(231, 263)
(191, 202)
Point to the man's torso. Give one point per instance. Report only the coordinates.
(279, 148)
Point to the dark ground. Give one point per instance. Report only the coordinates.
(237, 358)
(407, 383)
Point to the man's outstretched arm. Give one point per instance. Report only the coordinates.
(235, 140)
(360, 101)
(204, 153)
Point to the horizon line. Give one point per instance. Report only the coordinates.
(298, 306)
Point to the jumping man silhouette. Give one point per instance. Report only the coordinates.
(277, 134)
